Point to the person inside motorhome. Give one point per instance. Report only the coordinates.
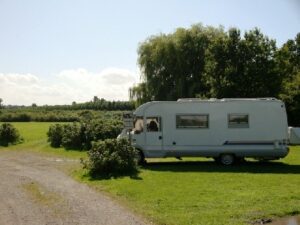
(153, 126)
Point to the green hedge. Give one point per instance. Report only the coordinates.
(81, 135)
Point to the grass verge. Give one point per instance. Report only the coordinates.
(192, 191)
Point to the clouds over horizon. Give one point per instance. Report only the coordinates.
(78, 85)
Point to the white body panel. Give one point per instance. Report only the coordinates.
(266, 136)
(294, 135)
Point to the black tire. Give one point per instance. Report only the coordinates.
(217, 159)
(240, 160)
(141, 158)
(227, 159)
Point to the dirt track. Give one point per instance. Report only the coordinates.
(33, 191)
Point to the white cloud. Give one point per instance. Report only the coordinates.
(77, 85)
(22, 79)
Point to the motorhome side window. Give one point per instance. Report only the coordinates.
(192, 121)
(153, 124)
(138, 125)
(238, 120)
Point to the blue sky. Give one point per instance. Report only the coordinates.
(48, 39)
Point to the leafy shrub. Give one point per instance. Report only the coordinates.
(111, 157)
(55, 134)
(23, 117)
(100, 130)
(9, 134)
(73, 136)
(81, 135)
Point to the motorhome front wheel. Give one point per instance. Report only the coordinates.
(140, 158)
(227, 159)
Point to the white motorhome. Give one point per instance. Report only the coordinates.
(224, 129)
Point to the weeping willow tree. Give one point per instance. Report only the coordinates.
(139, 94)
(172, 65)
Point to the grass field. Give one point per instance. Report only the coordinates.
(193, 192)
(35, 139)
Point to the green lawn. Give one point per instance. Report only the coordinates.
(202, 192)
(35, 139)
(193, 192)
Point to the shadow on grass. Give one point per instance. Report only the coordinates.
(97, 176)
(207, 166)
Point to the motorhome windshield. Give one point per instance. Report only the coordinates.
(138, 125)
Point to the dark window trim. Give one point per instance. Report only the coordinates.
(193, 114)
(238, 125)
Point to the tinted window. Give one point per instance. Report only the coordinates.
(153, 124)
(238, 120)
(192, 121)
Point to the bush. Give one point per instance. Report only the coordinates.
(55, 134)
(81, 135)
(96, 130)
(73, 136)
(23, 117)
(111, 157)
(9, 135)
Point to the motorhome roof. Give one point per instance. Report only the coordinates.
(141, 108)
(224, 99)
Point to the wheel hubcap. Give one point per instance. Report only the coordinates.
(227, 159)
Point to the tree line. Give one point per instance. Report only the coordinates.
(209, 62)
(95, 104)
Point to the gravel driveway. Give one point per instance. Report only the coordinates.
(34, 191)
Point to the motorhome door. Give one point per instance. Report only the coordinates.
(154, 133)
